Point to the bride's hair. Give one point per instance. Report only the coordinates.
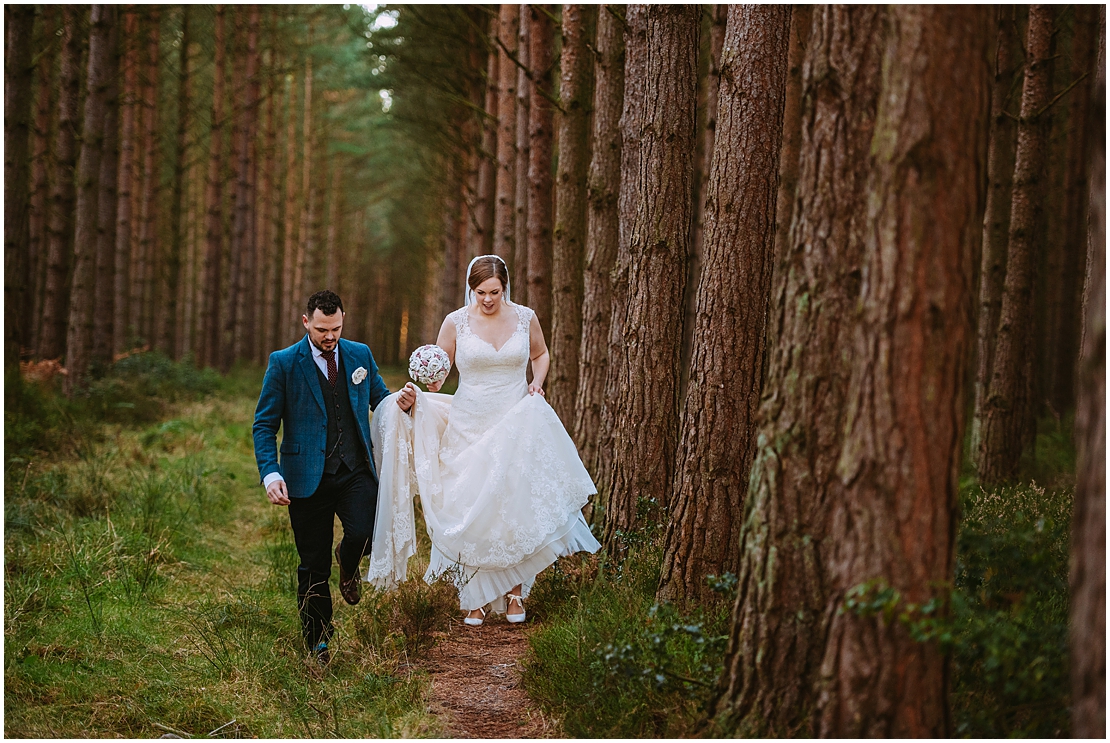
(487, 267)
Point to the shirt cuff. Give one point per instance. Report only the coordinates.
(271, 479)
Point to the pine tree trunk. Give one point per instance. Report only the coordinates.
(308, 194)
(519, 262)
(717, 429)
(187, 257)
(146, 257)
(602, 236)
(267, 235)
(331, 258)
(894, 526)
(504, 231)
(635, 75)
(213, 303)
(1087, 599)
(55, 306)
(129, 102)
(1005, 428)
(540, 130)
(41, 168)
(79, 329)
(480, 236)
(19, 22)
(646, 431)
(771, 671)
(703, 164)
(575, 90)
(1063, 337)
(800, 22)
(168, 308)
(287, 317)
(104, 297)
(996, 217)
(242, 246)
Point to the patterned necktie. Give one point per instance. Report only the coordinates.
(333, 370)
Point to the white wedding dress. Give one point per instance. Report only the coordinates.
(500, 481)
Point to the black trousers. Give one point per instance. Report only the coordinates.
(353, 496)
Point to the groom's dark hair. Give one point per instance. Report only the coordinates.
(325, 301)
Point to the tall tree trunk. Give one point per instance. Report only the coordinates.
(182, 318)
(602, 237)
(519, 262)
(85, 240)
(569, 235)
(121, 315)
(504, 232)
(894, 526)
(146, 257)
(635, 75)
(168, 308)
(480, 235)
(242, 246)
(1005, 428)
(996, 216)
(1063, 351)
(717, 439)
(212, 305)
(800, 22)
(55, 306)
(41, 168)
(771, 672)
(267, 235)
(540, 130)
(331, 258)
(308, 194)
(104, 298)
(646, 431)
(287, 317)
(1087, 604)
(701, 177)
(19, 23)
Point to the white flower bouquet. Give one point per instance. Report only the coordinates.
(429, 364)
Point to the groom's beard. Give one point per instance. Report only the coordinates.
(321, 347)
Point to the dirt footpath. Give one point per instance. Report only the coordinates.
(475, 689)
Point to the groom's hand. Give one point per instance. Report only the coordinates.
(277, 493)
(407, 397)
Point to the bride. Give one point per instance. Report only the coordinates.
(499, 479)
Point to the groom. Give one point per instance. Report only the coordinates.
(321, 389)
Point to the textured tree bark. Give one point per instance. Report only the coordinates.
(169, 278)
(800, 21)
(55, 305)
(1005, 427)
(268, 263)
(480, 227)
(79, 328)
(635, 74)
(996, 217)
(519, 262)
(121, 317)
(1063, 336)
(210, 308)
(242, 244)
(602, 235)
(895, 524)
(703, 165)
(286, 319)
(771, 670)
(305, 244)
(41, 167)
(194, 190)
(331, 256)
(569, 234)
(504, 230)
(716, 441)
(1087, 603)
(646, 431)
(145, 258)
(19, 23)
(103, 296)
(540, 130)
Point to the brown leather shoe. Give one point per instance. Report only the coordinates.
(349, 585)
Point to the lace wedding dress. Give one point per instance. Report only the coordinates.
(499, 479)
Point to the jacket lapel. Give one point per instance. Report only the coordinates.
(308, 366)
(350, 364)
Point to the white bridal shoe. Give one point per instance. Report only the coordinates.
(516, 618)
(476, 621)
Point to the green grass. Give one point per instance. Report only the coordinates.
(150, 585)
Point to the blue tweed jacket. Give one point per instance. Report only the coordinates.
(291, 397)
